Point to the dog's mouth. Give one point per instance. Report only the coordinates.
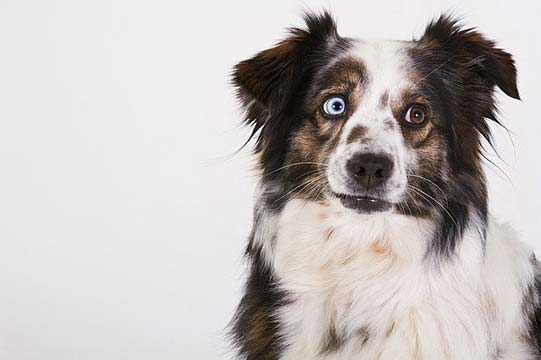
(363, 204)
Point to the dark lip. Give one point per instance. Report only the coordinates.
(363, 204)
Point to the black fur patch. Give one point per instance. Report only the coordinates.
(459, 69)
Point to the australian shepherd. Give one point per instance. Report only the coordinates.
(371, 234)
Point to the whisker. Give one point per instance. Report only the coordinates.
(297, 164)
(309, 173)
(422, 193)
(434, 70)
(303, 185)
(431, 182)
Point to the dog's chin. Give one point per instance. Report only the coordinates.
(364, 204)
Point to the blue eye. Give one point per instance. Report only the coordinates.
(334, 106)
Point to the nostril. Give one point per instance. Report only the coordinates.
(379, 173)
(362, 171)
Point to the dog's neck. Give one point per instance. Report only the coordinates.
(407, 237)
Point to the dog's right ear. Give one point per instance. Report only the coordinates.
(467, 46)
(266, 83)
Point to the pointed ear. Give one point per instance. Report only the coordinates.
(494, 65)
(271, 76)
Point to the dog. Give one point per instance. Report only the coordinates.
(371, 235)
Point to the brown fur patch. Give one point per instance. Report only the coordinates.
(345, 74)
(379, 248)
(247, 73)
(259, 336)
(358, 132)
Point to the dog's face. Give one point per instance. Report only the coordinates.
(373, 126)
(376, 126)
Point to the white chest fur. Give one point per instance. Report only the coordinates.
(363, 288)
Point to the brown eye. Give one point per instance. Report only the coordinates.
(416, 115)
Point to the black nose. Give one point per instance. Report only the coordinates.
(370, 170)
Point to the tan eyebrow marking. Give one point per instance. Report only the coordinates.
(346, 72)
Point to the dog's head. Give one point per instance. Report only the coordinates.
(377, 126)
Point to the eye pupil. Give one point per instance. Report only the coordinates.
(337, 106)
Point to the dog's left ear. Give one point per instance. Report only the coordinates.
(495, 66)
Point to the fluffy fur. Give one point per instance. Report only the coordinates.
(413, 267)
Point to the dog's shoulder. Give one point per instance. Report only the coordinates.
(511, 264)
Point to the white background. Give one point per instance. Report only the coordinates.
(122, 217)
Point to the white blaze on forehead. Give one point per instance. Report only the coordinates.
(386, 66)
